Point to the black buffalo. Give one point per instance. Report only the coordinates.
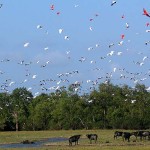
(118, 133)
(92, 137)
(126, 136)
(74, 139)
(141, 134)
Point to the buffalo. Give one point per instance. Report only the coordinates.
(141, 134)
(126, 136)
(74, 139)
(117, 134)
(92, 137)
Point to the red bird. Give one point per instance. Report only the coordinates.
(52, 7)
(146, 13)
(122, 36)
(147, 24)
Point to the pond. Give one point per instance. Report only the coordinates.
(35, 144)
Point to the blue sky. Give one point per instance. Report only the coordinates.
(89, 26)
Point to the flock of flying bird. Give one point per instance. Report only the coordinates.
(33, 82)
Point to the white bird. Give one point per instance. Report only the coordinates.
(25, 80)
(30, 88)
(26, 44)
(148, 89)
(60, 31)
(91, 29)
(11, 83)
(88, 81)
(76, 5)
(47, 62)
(144, 57)
(92, 61)
(90, 48)
(142, 63)
(133, 101)
(66, 37)
(127, 25)
(36, 94)
(120, 43)
(67, 52)
(111, 53)
(114, 69)
(39, 27)
(97, 45)
(147, 42)
(110, 45)
(119, 53)
(59, 82)
(113, 2)
(34, 76)
(46, 48)
(147, 30)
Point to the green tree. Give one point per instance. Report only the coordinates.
(20, 100)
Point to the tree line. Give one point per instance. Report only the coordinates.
(107, 107)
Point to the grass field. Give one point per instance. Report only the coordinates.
(105, 140)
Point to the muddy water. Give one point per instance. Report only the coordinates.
(35, 144)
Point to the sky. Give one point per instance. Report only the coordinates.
(47, 44)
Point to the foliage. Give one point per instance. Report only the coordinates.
(110, 106)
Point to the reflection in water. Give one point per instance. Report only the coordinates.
(35, 144)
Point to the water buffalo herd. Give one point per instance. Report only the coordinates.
(126, 135)
(143, 135)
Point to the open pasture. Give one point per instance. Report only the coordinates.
(105, 140)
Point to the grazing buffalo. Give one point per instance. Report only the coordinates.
(92, 137)
(138, 134)
(117, 133)
(74, 139)
(141, 134)
(126, 136)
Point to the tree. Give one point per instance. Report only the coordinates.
(20, 100)
(4, 110)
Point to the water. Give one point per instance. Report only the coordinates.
(35, 144)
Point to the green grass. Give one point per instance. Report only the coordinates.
(105, 140)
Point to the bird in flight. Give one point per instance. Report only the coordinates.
(113, 2)
(1, 5)
(52, 7)
(145, 12)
